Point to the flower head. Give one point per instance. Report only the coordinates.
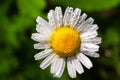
(66, 40)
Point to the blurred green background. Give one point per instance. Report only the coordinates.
(17, 23)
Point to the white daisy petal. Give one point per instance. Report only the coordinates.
(57, 66)
(53, 65)
(85, 24)
(75, 16)
(47, 61)
(67, 15)
(90, 20)
(91, 54)
(84, 60)
(88, 35)
(89, 47)
(77, 65)
(43, 54)
(58, 16)
(92, 27)
(51, 18)
(96, 40)
(39, 37)
(71, 70)
(43, 30)
(43, 23)
(61, 66)
(81, 19)
(41, 46)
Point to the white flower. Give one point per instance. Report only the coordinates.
(66, 40)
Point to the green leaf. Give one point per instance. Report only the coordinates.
(88, 5)
(111, 37)
(31, 7)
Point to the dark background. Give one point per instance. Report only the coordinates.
(17, 23)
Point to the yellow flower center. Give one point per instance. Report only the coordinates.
(65, 41)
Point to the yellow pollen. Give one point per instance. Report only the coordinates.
(65, 41)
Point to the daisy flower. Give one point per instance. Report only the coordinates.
(66, 40)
